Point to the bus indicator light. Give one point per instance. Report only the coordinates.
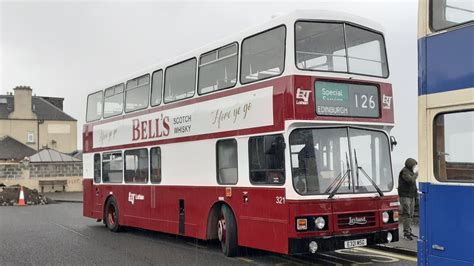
(301, 224)
(396, 216)
(228, 192)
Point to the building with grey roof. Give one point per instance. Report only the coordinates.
(37, 121)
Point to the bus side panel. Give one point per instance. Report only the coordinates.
(134, 204)
(448, 232)
(262, 221)
(87, 197)
(169, 204)
(449, 62)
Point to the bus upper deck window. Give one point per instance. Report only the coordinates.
(94, 106)
(450, 13)
(156, 87)
(263, 55)
(320, 46)
(218, 69)
(339, 47)
(180, 81)
(136, 94)
(113, 100)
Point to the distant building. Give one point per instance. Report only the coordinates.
(37, 122)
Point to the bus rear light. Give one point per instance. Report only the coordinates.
(301, 224)
(396, 216)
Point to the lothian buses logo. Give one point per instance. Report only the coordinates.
(387, 102)
(357, 220)
(132, 197)
(302, 96)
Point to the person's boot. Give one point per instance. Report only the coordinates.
(407, 236)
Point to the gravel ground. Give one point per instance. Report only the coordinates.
(9, 196)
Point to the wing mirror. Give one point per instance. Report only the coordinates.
(393, 142)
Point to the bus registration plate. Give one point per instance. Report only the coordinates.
(355, 243)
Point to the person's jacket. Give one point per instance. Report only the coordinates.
(407, 180)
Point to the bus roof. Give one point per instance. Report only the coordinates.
(287, 19)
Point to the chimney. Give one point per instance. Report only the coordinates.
(22, 103)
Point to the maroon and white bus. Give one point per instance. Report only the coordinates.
(276, 138)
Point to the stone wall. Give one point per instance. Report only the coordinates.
(30, 174)
(39, 170)
(11, 170)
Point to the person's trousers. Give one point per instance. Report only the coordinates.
(407, 210)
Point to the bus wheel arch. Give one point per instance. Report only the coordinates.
(111, 214)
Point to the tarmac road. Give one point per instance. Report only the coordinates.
(57, 234)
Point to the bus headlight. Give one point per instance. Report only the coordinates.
(385, 217)
(389, 237)
(313, 247)
(320, 223)
(301, 224)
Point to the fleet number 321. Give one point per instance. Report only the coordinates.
(280, 200)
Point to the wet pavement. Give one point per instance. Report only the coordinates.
(57, 234)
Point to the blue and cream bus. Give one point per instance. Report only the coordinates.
(446, 132)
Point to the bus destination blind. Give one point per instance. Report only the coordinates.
(344, 99)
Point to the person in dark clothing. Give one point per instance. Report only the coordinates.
(408, 192)
(308, 158)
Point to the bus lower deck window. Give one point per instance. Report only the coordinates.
(97, 168)
(226, 156)
(155, 165)
(112, 167)
(267, 159)
(136, 166)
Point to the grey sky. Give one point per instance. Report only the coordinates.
(71, 49)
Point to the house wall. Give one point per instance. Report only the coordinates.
(58, 135)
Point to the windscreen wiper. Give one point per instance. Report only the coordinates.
(340, 181)
(336, 180)
(366, 175)
(339, 184)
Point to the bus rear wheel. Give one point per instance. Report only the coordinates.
(111, 215)
(227, 232)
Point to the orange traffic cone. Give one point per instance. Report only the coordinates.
(21, 200)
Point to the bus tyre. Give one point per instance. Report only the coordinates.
(227, 231)
(111, 216)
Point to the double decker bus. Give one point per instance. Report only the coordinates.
(276, 138)
(446, 132)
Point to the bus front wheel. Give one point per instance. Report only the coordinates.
(227, 231)
(111, 215)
